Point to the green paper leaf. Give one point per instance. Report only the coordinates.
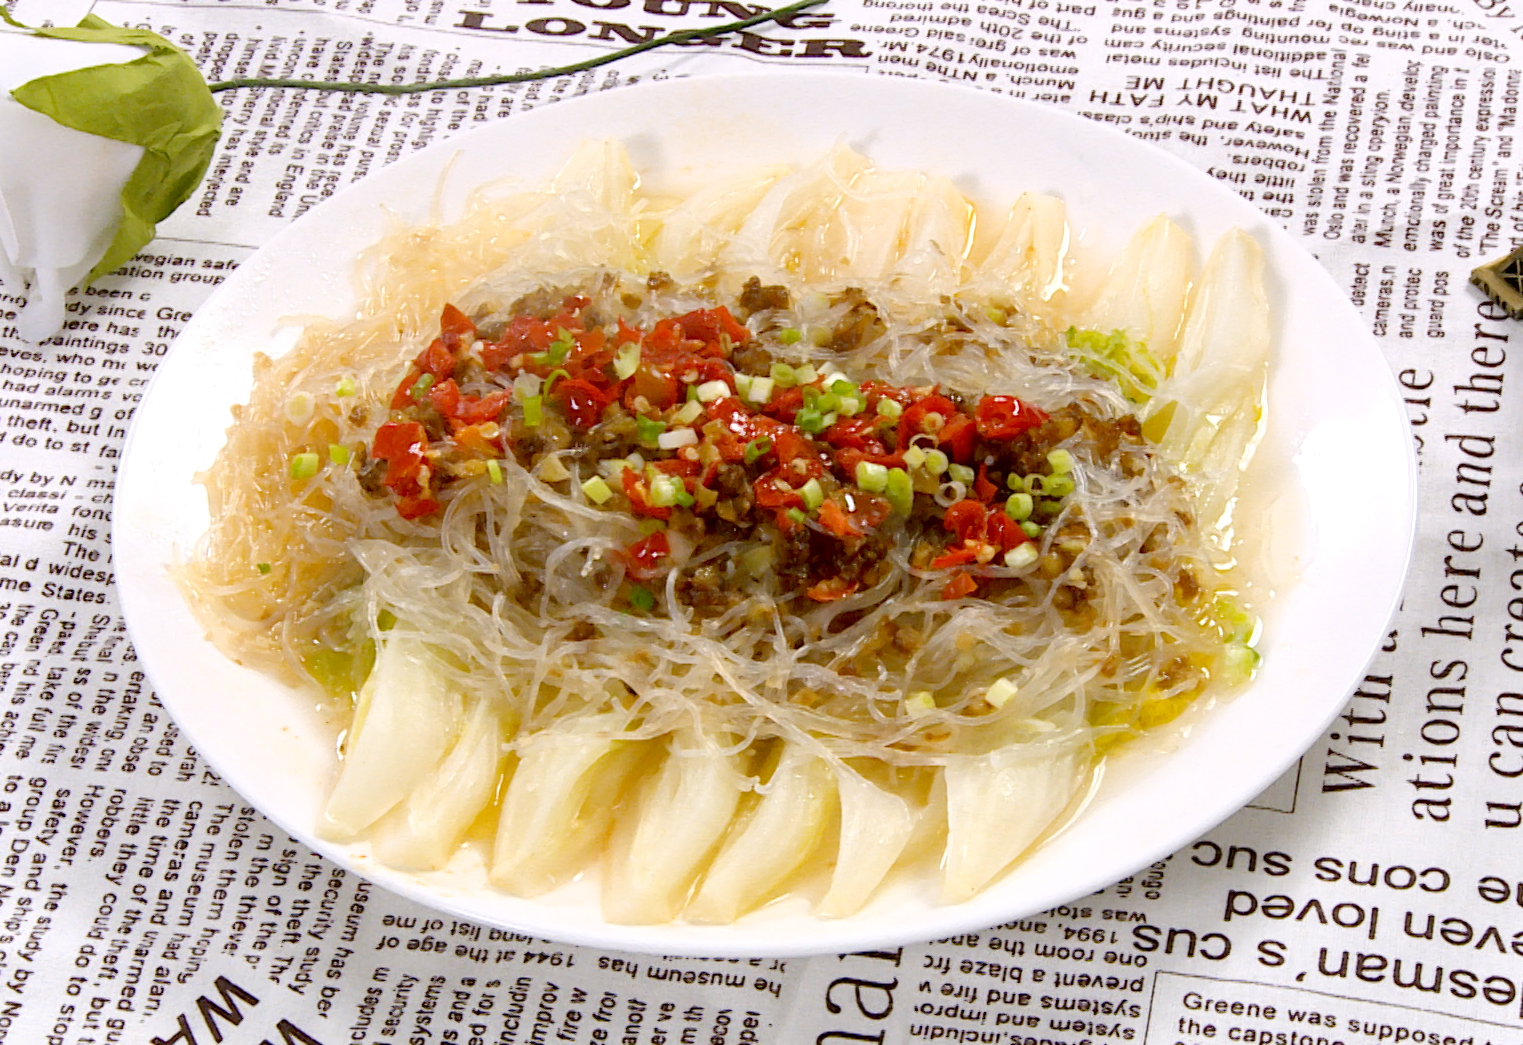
(158, 101)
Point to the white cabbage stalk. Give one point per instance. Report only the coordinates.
(865, 235)
(697, 229)
(936, 241)
(929, 831)
(789, 225)
(425, 830)
(1206, 416)
(998, 805)
(1030, 257)
(876, 825)
(405, 719)
(659, 849)
(60, 188)
(560, 803)
(780, 833)
(1145, 293)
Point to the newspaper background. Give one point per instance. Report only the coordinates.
(1374, 894)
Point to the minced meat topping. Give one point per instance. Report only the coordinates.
(692, 427)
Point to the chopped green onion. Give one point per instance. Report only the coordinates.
(338, 453)
(649, 429)
(813, 494)
(303, 466)
(783, 375)
(914, 457)
(494, 473)
(789, 336)
(830, 418)
(345, 387)
(1031, 529)
(534, 410)
(684, 499)
(1061, 462)
(1238, 663)
(995, 315)
(853, 404)
(712, 390)
(561, 347)
(920, 703)
(888, 408)
(872, 477)
(626, 360)
(263, 567)
(596, 489)
(555, 375)
(842, 387)
(743, 385)
(810, 420)
(960, 473)
(797, 516)
(827, 401)
(1021, 555)
(1059, 485)
(756, 447)
(421, 386)
(1001, 691)
(690, 412)
(936, 462)
(1019, 506)
(1015, 482)
(641, 598)
(664, 490)
(676, 439)
(1035, 483)
(806, 374)
(299, 407)
(760, 390)
(900, 491)
(650, 526)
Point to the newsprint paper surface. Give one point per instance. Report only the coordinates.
(1373, 896)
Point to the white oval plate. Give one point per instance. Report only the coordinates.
(1336, 430)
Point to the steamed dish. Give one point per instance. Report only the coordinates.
(810, 529)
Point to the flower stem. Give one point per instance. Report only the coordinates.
(679, 37)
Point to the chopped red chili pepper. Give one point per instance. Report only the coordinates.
(644, 556)
(409, 507)
(830, 589)
(957, 438)
(1005, 417)
(639, 503)
(956, 557)
(401, 444)
(835, 519)
(917, 418)
(958, 586)
(582, 402)
(455, 329)
(983, 488)
(706, 324)
(966, 519)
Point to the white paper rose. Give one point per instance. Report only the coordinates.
(103, 133)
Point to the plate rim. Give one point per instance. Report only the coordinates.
(681, 938)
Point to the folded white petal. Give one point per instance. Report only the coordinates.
(60, 189)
